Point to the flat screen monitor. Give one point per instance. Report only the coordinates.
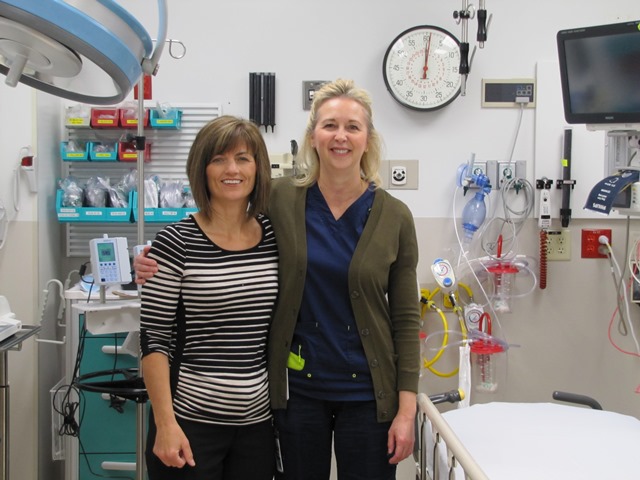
(600, 73)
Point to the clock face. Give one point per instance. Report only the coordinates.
(421, 67)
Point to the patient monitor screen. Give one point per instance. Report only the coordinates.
(603, 73)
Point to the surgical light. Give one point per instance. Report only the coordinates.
(86, 51)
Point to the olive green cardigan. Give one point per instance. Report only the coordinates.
(383, 291)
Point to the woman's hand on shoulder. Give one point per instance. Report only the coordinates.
(144, 267)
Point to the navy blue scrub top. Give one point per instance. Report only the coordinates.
(326, 335)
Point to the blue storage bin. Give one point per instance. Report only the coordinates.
(171, 120)
(107, 154)
(74, 155)
(160, 215)
(91, 214)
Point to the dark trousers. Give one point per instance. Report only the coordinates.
(221, 452)
(306, 429)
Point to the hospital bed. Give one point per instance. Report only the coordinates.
(525, 441)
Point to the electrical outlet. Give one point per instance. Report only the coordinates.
(559, 244)
(591, 246)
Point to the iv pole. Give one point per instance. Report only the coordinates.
(140, 403)
(149, 66)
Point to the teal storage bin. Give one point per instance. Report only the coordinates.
(91, 214)
(160, 215)
(80, 154)
(171, 120)
(103, 152)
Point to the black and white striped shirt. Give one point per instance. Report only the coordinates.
(209, 311)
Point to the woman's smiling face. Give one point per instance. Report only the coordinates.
(231, 176)
(340, 136)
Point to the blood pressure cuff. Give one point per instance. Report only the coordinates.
(603, 195)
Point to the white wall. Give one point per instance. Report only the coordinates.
(562, 331)
(18, 277)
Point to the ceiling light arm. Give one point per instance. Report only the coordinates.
(150, 65)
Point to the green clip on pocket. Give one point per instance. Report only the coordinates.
(295, 362)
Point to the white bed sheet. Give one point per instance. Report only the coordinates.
(545, 441)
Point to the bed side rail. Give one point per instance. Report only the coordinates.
(429, 417)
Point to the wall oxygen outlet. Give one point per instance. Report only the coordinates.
(509, 170)
(484, 168)
(501, 172)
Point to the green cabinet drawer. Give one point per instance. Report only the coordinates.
(100, 466)
(104, 429)
(101, 353)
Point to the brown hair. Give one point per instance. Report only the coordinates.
(217, 137)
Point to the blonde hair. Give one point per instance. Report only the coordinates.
(308, 160)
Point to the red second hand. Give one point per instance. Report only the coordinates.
(426, 59)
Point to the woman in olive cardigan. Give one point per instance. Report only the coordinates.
(343, 345)
(382, 286)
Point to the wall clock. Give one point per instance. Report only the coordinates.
(421, 68)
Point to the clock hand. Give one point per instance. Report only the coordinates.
(426, 59)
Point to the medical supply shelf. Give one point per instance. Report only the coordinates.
(107, 435)
(168, 158)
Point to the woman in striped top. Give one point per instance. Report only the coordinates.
(205, 317)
